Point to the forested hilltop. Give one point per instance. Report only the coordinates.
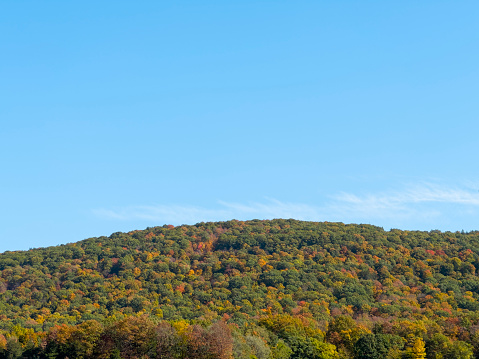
(253, 289)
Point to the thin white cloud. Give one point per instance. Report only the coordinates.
(415, 202)
(420, 202)
(274, 209)
(163, 213)
(271, 208)
(435, 193)
(417, 194)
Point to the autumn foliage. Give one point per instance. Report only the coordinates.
(264, 289)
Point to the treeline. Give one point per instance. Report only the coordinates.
(399, 283)
(131, 337)
(274, 336)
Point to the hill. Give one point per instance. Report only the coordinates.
(272, 289)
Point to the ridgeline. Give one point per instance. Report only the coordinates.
(253, 289)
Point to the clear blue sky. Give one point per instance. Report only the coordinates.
(119, 115)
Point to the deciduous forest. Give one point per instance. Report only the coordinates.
(273, 289)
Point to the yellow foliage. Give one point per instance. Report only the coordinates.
(416, 348)
(24, 335)
(181, 326)
(158, 313)
(3, 342)
(40, 319)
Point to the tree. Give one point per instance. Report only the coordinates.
(415, 348)
(169, 343)
(215, 342)
(3, 342)
(311, 348)
(459, 350)
(377, 346)
(367, 347)
(58, 342)
(281, 350)
(344, 332)
(13, 350)
(85, 338)
(133, 337)
(260, 349)
(436, 346)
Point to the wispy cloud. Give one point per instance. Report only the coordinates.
(270, 208)
(404, 202)
(273, 208)
(163, 213)
(419, 202)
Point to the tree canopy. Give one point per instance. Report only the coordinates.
(279, 288)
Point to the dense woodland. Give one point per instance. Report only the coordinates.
(257, 289)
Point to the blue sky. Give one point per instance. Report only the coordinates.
(122, 115)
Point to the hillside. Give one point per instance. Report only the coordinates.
(338, 288)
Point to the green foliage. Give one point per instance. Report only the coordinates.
(281, 350)
(377, 346)
(296, 280)
(459, 350)
(369, 347)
